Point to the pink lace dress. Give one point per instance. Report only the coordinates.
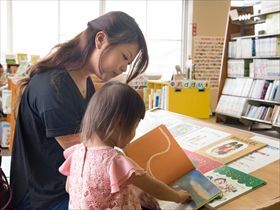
(99, 178)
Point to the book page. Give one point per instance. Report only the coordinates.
(158, 153)
(259, 158)
(200, 188)
(200, 138)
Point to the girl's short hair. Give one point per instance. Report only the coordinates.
(114, 108)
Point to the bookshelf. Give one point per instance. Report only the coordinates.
(186, 98)
(249, 83)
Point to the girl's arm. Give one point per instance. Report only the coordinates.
(67, 184)
(159, 189)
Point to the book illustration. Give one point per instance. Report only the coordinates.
(226, 148)
(258, 158)
(229, 149)
(158, 152)
(198, 186)
(232, 182)
(200, 138)
(201, 163)
(181, 129)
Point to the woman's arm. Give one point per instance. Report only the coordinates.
(159, 189)
(68, 140)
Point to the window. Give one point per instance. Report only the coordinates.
(74, 16)
(3, 27)
(161, 23)
(35, 26)
(45, 23)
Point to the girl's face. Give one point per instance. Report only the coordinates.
(128, 139)
(114, 61)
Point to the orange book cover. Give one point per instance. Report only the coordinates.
(160, 155)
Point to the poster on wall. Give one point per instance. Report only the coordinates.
(207, 56)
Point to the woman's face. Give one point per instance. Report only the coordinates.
(114, 61)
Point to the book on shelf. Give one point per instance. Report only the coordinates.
(230, 148)
(159, 154)
(232, 182)
(269, 6)
(237, 86)
(275, 118)
(238, 67)
(231, 105)
(259, 112)
(273, 23)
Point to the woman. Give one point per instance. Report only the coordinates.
(53, 101)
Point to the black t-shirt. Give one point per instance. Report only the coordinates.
(51, 106)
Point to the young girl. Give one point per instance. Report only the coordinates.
(99, 175)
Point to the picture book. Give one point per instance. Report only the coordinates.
(201, 163)
(160, 155)
(232, 182)
(200, 138)
(230, 148)
(258, 158)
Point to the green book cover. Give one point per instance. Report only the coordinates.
(232, 182)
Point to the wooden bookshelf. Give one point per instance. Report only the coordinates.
(256, 36)
(260, 101)
(260, 55)
(265, 13)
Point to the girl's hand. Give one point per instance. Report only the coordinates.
(183, 196)
(148, 201)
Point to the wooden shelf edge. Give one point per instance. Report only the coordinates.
(256, 120)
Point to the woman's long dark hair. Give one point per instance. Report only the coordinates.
(119, 27)
(115, 108)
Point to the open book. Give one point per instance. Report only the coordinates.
(232, 182)
(160, 155)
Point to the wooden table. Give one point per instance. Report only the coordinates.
(265, 197)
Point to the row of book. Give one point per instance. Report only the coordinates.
(255, 68)
(247, 48)
(269, 6)
(238, 68)
(265, 113)
(258, 89)
(265, 90)
(156, 98)
(224, 159)
(237, 86)
(261, 68)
